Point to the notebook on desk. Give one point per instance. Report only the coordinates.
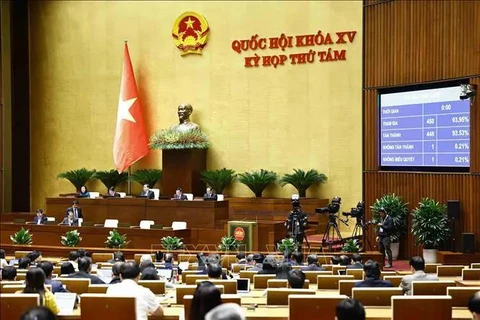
(165, 274)
(65, 302)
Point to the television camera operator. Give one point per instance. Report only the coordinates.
(296, 222)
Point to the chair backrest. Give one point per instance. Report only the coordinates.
(236, 267)
(220, 197)
(260, 280)
(182, 291)
(330, 282)
(56, 270)
(475, 265)
(280, 296)
(227, 260)
(21, 276)
(376, 296)
(230, 286)
(179, 225)
(156, 286)
(13, 305)
(304, 307)
(98, 288)
(335, 269)
(226, 298)
(470, 274)
(431, 288)
(102, 306)
(187, 257)
(189, 196)
(188, 272)
(20, 254)
(111, 223)
(283, 283)
(122, 194)
(345, 287)
(19, 220)
(51, 219)
(76, 285)
(12, 288)
(156, 193)
(94, 195)
(450, 271)
(327, 266)
(460, 295)
(395, 280)
(247, 274)
(356, 273)
(312, 275)
(145, 224)
(101, 257)
(387, 273)
(86, 224)
(431, 267)
(10, 283)
(192, 278)
(421, 307)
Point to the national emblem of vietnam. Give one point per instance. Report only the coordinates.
(190, 32)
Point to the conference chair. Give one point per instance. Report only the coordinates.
(247, 274)
(220, 197)
(189, 196)
(387, 273)
(111, 223)
(122, 194)
(312, 275)
(179, 225)
(145, 224)
(376, 296)
(328, 267)
(187, 257)
(421, 307)
(20, 254)
(335, 269)
(94, 194)
(189, 272)
(230, 286)
(431, 288)
(98, 288)
(260, 280)
(12, 306)
(50, 221)
(102, 306)
(76, 285)
(279, 297)
(470, 274)
(475, 265)
(283, 283)
(156, 286)
(461, 295)
(450, 271)
(395, 280)
(182, 291)
(330, 282)
(21, 276)
(101, 257)
(237, 267)
(12, 288)
(431, 267)
(345, 287)
(192, 278)
(356, 273)
(226, 298)
(227, 260)
(10, 283)
(313, 306)
(156, 194)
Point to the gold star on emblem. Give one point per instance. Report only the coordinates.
(189, 22)
(124, 110)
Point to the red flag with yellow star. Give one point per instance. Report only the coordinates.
(131, 141)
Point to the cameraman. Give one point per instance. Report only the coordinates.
(296, 223)
(383, 237)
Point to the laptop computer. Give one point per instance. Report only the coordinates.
(243, 285)
(165, 274)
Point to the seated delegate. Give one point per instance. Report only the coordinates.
(179, 195)
(147, 193)
(70, 220)
(210, 194)
(112, 193)
(84, 192)
(40, 218)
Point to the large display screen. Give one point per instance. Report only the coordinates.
(425, 128)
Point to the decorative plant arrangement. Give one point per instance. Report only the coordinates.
(71, 238)
(116, 240)
(257, 181)
(228, 244)
(397, 209)
(111, 178)
(287, 244)
(218, 179)
(174, 139)
(351, 246)
(430, 224)
(77, 177)
(302, 180)
(147, 176)
(172, 243)
(22, 236)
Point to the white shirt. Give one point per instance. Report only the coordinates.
(145, 301)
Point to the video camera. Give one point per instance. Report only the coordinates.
(357, 212)
(332, 208)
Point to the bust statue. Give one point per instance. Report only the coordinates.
(184, 112)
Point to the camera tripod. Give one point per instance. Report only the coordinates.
(330, 231)
(361, 225)
(298, 234)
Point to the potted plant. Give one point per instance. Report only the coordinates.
(22, 236)
(218, 179)
(228, 244)
(167, 139)
(77, 177)
(71, 238)
(351, 246)
(172, 243)
(430, 227)
(111, 178)
(398, 210)
(287, 244)
(116, 240)
(302, 180)
(257, 181)
(147, 176)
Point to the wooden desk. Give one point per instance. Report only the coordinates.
(49, 235)
(467, 283)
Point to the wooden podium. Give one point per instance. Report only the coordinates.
(182, 168)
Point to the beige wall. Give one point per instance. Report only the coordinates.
(295, 116)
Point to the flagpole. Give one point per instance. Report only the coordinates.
(129, 181)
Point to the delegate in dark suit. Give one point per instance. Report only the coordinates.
(210, 195)
(70, 222)
(180, 197)
(40, 220)
(148, 194)
(56, 285)
(372, 276)
(356, 265)
(383, 238)
(77, 212)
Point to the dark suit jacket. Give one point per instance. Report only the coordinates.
(313, 267)
(83, 275)
(79, 211)
(66, 222)
(148, 195)
(56, 285)
(115, 280)
(387, 227)
(356, 265)
(182, 197)
(372, 283)
(210, 196)
(43, 220)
